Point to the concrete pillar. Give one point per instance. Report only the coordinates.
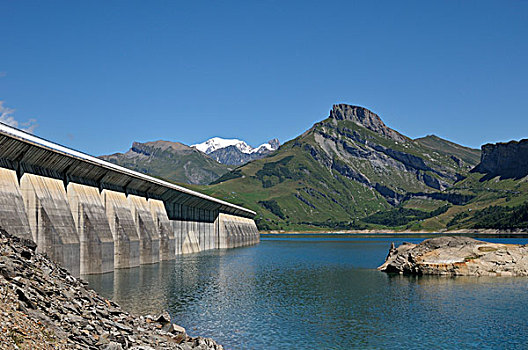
(13, 215)
(190, 243)
(251, 233)
(242, 231)
(165, 230)
(210, 230)
(212, 235)
(201, 228)
(256, 235)
(235, 231)
(216, 228)
(123, 227)
(222, 232)
(246, 232)
(51, 221)
(149, 240)
(190, 238)
(177, 227)
(195, 225)
(231, 233)
(208, 234)
(95, 236)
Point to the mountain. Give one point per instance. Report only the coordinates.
(234, 151)
(496, 189)
(172, 161)
(507, 160)
(344, 169)
(455, 151)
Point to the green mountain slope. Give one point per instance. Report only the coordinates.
(172, 161)
(490, 202)
(469, 155)
(343, 169)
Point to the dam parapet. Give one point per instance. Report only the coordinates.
(93, 216)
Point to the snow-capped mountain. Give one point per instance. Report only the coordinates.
(217, 143)
(234, 151)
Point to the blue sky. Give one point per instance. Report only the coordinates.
(98, 75)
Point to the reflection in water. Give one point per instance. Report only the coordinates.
(322, 293)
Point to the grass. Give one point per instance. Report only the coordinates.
(313, 182)
(340, 175)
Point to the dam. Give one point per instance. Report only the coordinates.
(92, 216)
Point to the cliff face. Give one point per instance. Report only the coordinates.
(371, 153)
(365, 118)
(507, 160)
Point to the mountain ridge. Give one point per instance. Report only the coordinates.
(235, 151)
(343, 168)
(352, 172)
(172, 161)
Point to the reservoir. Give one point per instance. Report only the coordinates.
(314, 292)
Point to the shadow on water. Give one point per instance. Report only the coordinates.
(323, 293)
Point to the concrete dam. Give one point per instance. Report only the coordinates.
(92, 216)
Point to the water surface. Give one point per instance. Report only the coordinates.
(323, 293)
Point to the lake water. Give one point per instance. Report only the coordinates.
(323, 293)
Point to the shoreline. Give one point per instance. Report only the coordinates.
(42, 306)
(397, 232)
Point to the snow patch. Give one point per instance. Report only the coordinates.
(217, 143)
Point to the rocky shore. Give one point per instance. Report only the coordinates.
(489, 231)
(43, 307)
(457, 256)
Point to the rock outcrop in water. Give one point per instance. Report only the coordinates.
(43, 307)
(457, 256)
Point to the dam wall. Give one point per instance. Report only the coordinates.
(92, 216)
(167, 249)
(235, 231)
(95, 236)
(123, 228)
(51, 221)
(13, 215)
(92, 232)
(149, 239)
(194, 228)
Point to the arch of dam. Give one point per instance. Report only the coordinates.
(93, 216)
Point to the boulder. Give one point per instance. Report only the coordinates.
(457, 256)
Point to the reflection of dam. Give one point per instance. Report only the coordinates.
(93, 216)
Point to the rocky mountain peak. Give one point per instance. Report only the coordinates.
(356, 114)
(364, 118)
(235, 151)
(275, 144)
(216, 143)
